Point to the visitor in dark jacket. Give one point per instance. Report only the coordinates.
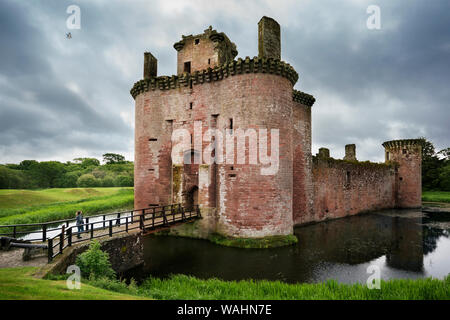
(80, 223)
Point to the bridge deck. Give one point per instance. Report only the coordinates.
(144, 220)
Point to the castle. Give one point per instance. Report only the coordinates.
(215, 91)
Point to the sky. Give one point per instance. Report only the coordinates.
(65, 98)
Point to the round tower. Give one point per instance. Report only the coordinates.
(408, 178)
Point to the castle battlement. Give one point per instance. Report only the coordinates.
(232, 68)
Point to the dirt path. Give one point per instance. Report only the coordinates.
(13, 259)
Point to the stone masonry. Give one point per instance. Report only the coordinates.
(214, 90)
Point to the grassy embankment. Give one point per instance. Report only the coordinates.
(27, 206)
(19, 283)
(436, 196)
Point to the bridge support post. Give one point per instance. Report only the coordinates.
(110, 228)
(61, 239)
(50, 250)
(141, 222)
(44, 232)
(69, 237)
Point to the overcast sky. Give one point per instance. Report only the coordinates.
(65, 98)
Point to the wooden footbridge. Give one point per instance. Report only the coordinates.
(56, 236)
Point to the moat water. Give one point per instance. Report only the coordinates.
(403, 244)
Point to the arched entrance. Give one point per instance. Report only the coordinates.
(191, 198)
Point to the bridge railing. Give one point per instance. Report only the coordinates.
(146, 220)
(40, 232)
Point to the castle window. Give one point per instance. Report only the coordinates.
(209, 61)
(231, 124)
(187, 67)
(197, 41)
(347, 179)
(190, 105)
(152, 139)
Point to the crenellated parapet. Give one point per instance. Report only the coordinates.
(303, 98)
(235, 67)
(393, 144)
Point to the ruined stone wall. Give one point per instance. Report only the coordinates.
(343, 188)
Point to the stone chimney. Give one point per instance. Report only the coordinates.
(269, 39)
(150, 66)
(350, 152)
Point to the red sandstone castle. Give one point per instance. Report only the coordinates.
(222, 92)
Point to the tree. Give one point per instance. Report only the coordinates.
(27, 164)
(69, 180)
(94, 263)
(87, 162)
(431, 166)
(87, 181)
(110, 158)
(444, 178)
(124, 181)
(445, 154)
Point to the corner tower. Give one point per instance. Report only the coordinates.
(408, 179)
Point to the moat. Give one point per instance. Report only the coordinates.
(404, 244)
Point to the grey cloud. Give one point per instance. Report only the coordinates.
(370, 86)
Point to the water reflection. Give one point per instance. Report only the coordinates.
(402, 243)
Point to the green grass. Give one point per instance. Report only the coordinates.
(436, 196)
(19, 284)
(25, 206)
(185, 287)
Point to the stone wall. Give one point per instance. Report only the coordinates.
(343, 188)
(248, 204)
(125, 251)
(303, 191)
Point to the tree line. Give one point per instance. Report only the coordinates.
(81, 172)
(116, 172)
(435, 167)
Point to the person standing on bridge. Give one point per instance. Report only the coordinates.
(80, 223)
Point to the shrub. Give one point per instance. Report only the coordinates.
(87, 181)
(94, 263)
(124, 181)
(108, 181)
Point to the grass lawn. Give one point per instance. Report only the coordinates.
(33, 206)
(185, 287)
(436, 196)
(19, 283)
